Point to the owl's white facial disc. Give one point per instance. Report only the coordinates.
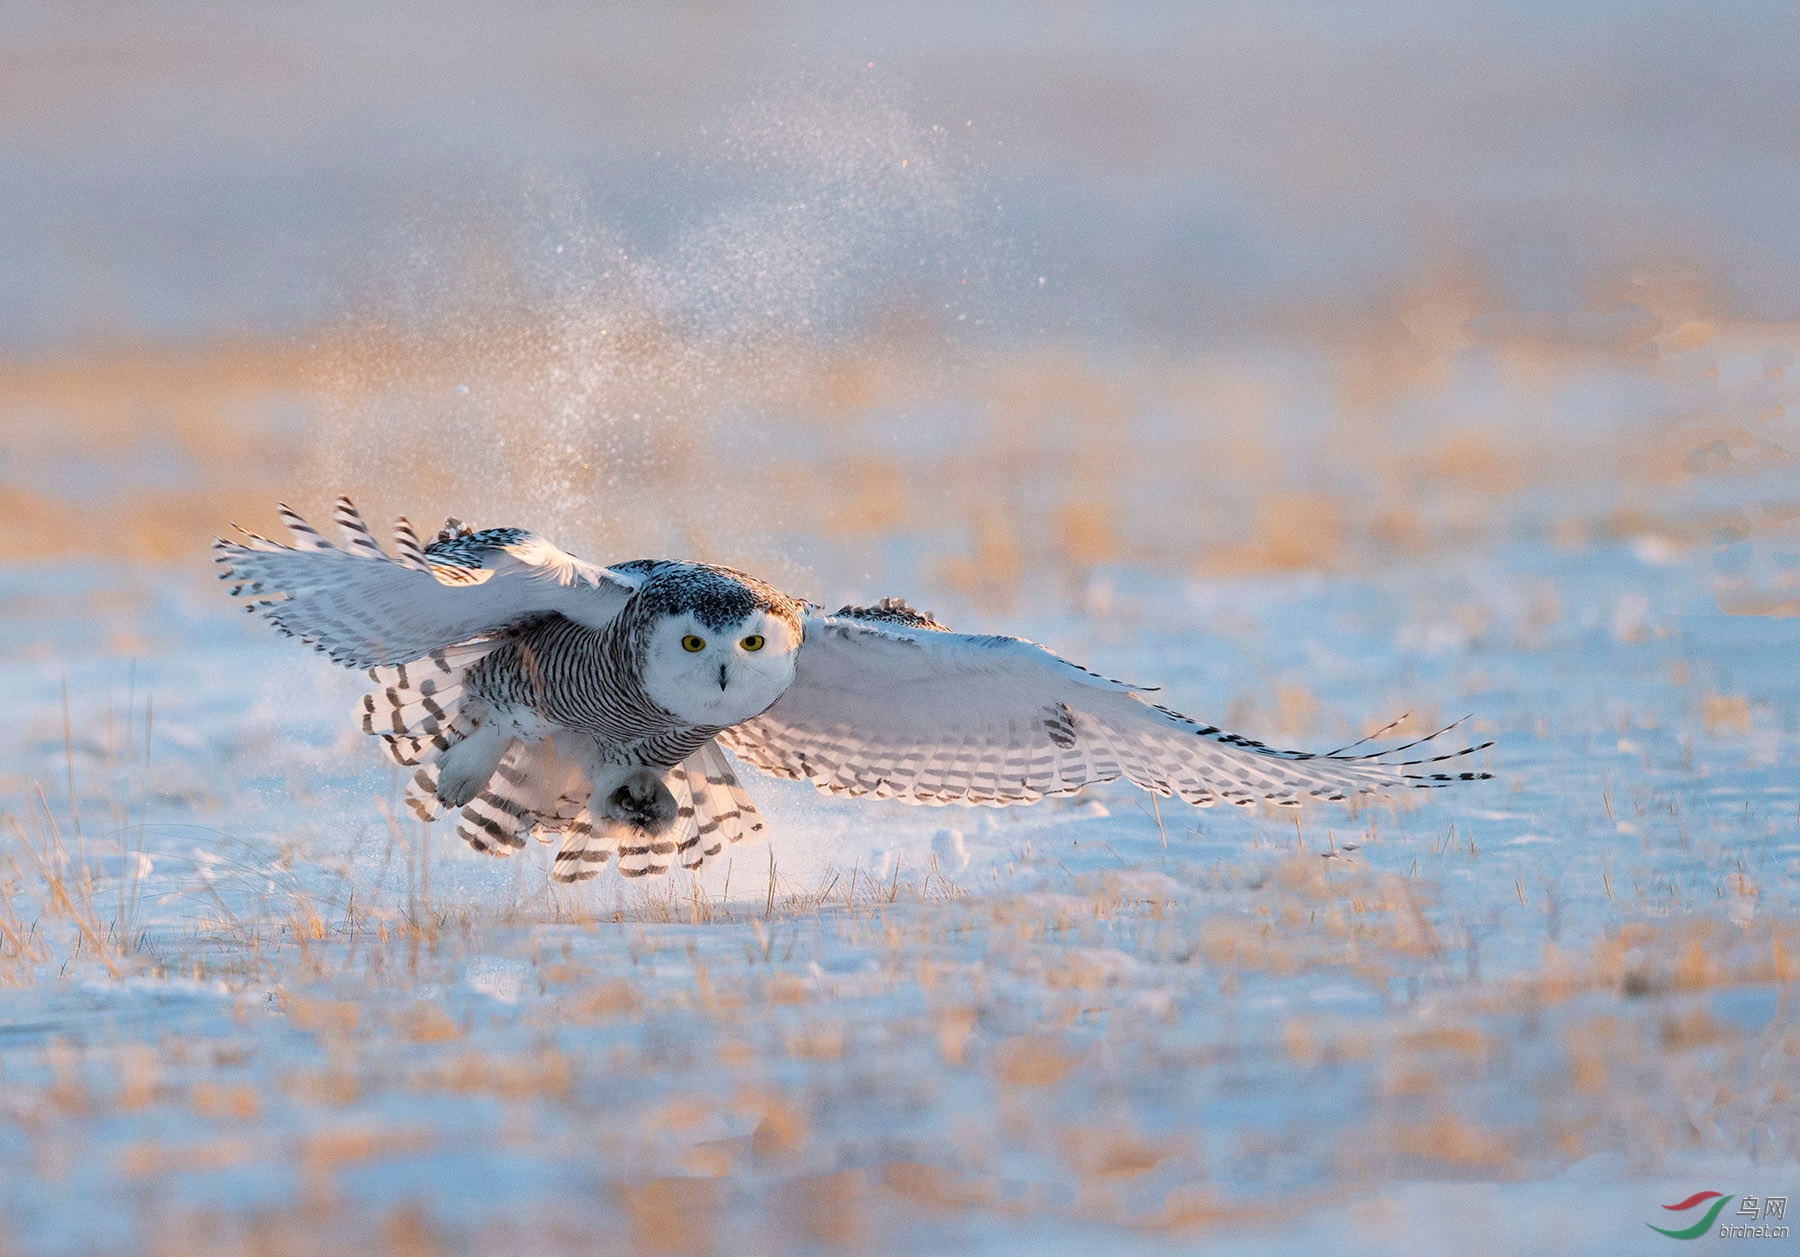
(719, 676)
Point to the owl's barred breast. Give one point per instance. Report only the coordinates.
(587, 680)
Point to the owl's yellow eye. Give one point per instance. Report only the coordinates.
(752, 642)
(693, 645)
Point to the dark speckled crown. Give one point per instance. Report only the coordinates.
(717, 597)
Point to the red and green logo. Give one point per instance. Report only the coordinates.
(1699, 1228)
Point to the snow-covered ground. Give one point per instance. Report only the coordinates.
(1516, 1016)
(1325, 364)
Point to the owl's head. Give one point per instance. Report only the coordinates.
(718, 648)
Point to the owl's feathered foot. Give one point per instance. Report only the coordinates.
(466, 768)
(636, 820)
(642, 802)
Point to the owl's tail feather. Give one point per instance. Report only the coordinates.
(630, 811)
(717, 810)
(420, 709)
(692, 813)
(582, 851)
(650, 819)
(421, 797)
(539, 788)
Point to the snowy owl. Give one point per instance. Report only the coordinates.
(544, 695)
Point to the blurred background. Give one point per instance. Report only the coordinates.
(1324, 362)
(947, 298)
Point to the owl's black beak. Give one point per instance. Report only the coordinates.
(722, 668)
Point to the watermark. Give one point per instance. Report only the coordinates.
(1748, 1222)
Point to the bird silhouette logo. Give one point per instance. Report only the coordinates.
(1699, 1228)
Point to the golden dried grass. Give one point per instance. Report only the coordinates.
(1041, 474)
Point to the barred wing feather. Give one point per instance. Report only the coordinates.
(366, 609)
(920, 714)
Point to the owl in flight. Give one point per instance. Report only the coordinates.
(544, 695)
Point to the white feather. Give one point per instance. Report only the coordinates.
(364, 609)
(929, 716)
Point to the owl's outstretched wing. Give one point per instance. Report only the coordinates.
(888, 703)
(365, 609)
